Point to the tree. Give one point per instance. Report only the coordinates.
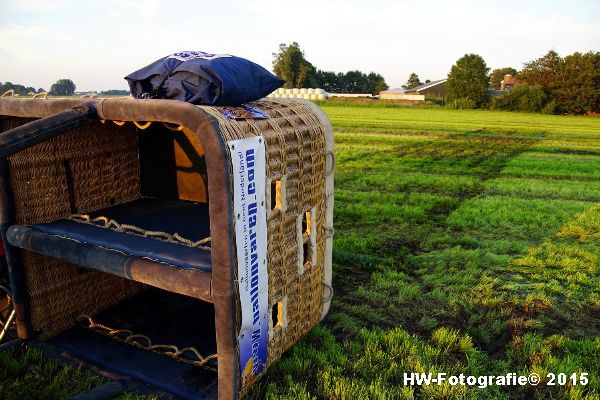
(543, 71)
(114, 92)
(523, 97)
(290, 65)
(330, 81)
(572, 83)
(468, 79)
(412, 82)
(497, 75)
(578, 88)
(350, 82)
(63, 87)
(376, 84)
(19, 89)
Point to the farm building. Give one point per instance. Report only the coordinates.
(508, 82)
(435, 89)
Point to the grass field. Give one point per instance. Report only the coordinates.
(466, 242)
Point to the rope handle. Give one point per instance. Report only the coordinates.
(141, 125)
(173, 127)
(330, 296)
(332, 155)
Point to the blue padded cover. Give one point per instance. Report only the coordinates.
(166, 318)
(203, 78)
(189, 219)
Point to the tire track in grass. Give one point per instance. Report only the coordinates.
(401, 284)
(368, 363)
(417, 284)
(558, 281)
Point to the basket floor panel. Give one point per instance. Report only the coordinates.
(189, 219)
(166, 318)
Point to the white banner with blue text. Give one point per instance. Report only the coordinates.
(249, 178)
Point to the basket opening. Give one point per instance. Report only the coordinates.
(274, 189)
(94, 168)
(172, 165)
(167, 320)
(278, 314)
(125, 173)
(276, 195)
(307, 239)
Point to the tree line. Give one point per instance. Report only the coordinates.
(290, 65)
(62, 87)
(18, 88)
(549, 84)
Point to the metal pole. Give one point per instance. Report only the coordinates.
(9, 322)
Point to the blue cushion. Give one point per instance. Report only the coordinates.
(188, 219)
(203, 78)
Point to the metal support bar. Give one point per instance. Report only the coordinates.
(11, 142)
(189, 282)
(40, 130)
(16, 273)
(9, 322)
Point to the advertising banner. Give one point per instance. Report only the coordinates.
(249, 177)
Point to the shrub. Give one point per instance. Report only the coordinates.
(440, 101)
(524, 98)
(549, 108)
(461, 103)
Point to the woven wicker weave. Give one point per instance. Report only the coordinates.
(97, 166)
(81, 171)
(295, 147)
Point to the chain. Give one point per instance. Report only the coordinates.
(145, 343)
(104, 222)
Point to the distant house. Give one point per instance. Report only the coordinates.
(432, 89)
(508, 82)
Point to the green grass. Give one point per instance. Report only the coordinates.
(466, 242)
(29, 375)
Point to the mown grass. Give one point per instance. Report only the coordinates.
(466, 242)
(29, 375)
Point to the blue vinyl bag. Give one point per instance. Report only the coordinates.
(203, 78)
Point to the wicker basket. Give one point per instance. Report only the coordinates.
(117, 159)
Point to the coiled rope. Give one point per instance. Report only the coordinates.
(104, 222)
(187, 355)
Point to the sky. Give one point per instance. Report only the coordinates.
(97, 43)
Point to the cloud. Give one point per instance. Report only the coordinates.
(37, 5)
(31, 41)
(134, 9)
